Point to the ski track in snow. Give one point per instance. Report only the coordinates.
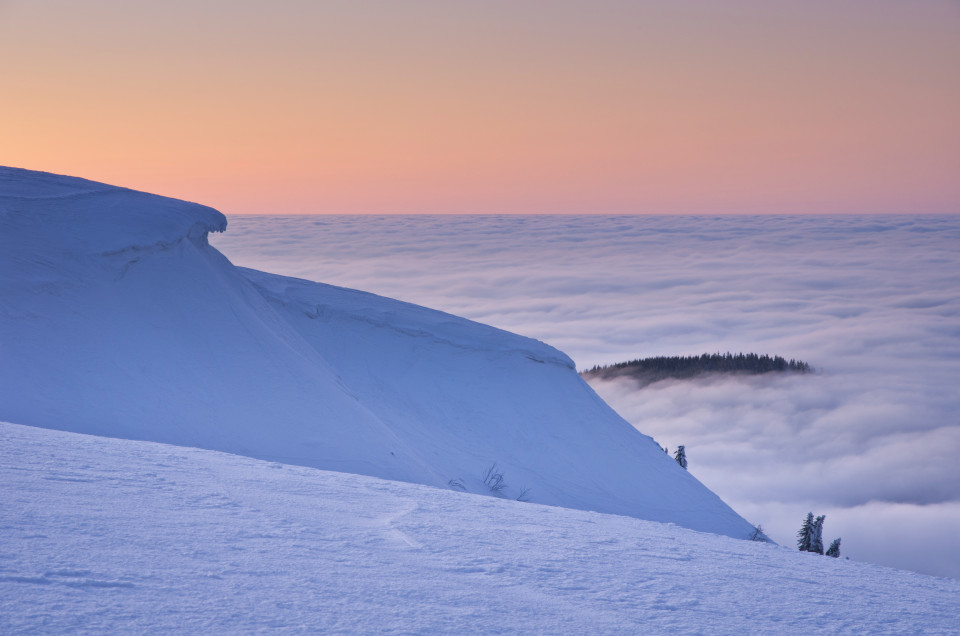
(108, 535)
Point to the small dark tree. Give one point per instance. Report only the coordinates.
(681, 456)
(805, 535)
(816, 542)
(834, 549)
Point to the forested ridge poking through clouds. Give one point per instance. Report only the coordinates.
(649, 370)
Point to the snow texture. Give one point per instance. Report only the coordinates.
(117, 536)
(117, 318)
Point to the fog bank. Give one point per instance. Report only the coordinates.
(873, 303)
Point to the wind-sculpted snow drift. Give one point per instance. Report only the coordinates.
(117, 318)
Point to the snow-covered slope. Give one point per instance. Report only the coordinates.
(117, 318)
(116, 536)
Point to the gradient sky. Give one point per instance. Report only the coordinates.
(294, 106)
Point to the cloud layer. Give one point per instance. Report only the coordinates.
(872, 302)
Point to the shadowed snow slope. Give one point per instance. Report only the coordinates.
(117, 536)
(117, 318)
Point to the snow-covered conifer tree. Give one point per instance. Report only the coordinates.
(834, 549)
(816, 541)
(681, 456)
(805, 535)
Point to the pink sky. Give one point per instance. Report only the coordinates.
(493, 107)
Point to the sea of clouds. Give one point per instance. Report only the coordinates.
(872, 439)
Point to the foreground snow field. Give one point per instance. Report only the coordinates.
(117, 318)
(118, 536)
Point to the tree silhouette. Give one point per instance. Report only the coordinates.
(681, 456)
(834, 549)
(647, 370)
(805, 535)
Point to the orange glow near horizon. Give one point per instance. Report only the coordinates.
(495, 107)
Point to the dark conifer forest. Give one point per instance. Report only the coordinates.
(648, 370)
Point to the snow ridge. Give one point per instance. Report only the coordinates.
(117, 318)
(77, 215)
(316, 299)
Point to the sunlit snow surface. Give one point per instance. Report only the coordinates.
(115, 536)
(872, 301)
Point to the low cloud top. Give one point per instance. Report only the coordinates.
(873, 303)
